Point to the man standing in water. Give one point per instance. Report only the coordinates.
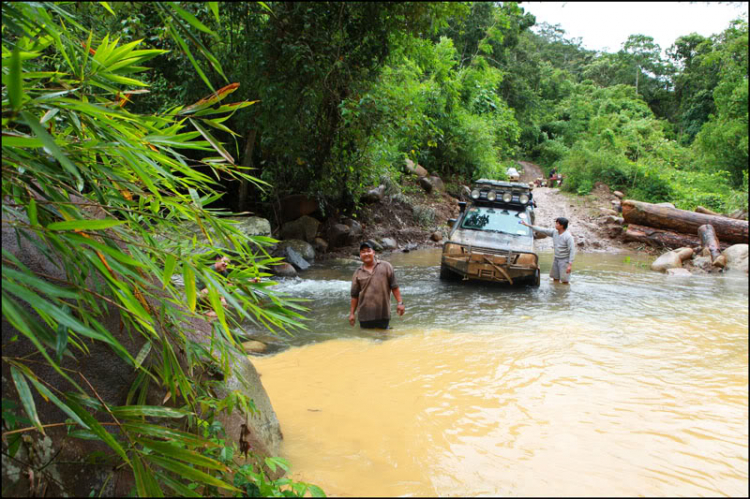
(565, 249)
(372, 284)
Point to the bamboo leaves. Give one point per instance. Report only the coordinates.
(215, 143)
(52, 147)
(79, 225)
(15, 82)
(24, 393)
(100, 195)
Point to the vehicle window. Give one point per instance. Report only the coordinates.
(495, 220)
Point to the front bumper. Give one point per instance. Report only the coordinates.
(489, 264)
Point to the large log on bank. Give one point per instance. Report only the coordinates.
(659, 238)
(683, 221)
(709, 240)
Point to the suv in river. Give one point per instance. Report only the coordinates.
(487, 242)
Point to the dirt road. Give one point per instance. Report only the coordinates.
(580, 212)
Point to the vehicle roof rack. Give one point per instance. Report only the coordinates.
(500, 183)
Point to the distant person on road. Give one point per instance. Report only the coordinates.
(565, 249)
(372, 284)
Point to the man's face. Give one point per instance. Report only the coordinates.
(367, 255)
(221, 264)
(559, 226)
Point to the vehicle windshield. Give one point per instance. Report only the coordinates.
(496, 220)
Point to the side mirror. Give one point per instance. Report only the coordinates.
(462, 205)
(451, 221)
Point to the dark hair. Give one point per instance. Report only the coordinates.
(364, 245)
(562, 221)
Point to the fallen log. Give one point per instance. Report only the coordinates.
(706, 211)
(709, 240)
(683, 221)
(660, 238)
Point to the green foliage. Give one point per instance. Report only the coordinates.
(550, 152)
(723, 140)
(89, 183)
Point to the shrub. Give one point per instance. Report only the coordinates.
(550, 152)
(584, 167)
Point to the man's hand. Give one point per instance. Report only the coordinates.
(400, 309)
(570, 266)
(351, 319)
(524, 223)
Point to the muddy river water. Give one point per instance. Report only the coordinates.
(628, 382)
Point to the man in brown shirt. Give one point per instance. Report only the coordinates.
(372, 284)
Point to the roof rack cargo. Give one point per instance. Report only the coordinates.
(500, 183)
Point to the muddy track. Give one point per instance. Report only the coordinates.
(580, 212)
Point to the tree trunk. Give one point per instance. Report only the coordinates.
(637, 72)
(247, 160)
(685, 222)
(709, 240)
(660, 238)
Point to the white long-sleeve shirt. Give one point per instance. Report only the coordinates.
(565, 246)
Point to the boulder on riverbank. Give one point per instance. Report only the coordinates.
(669, 260)
(284, 269)
(296, 206)
(418, 170)
(374, 195)
(304, 228)
(736, 258)
(303, 248)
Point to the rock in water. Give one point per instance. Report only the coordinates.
(684, 253)
(296, 259)
(389, 243)
(670, 260)
(736, 257)
(304, 248)
(253, 346)
(284, 270)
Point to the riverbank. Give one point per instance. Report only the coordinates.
(418, 219)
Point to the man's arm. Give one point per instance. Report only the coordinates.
(354, 294)
(353, 308)
(543, 230)
(400, 308)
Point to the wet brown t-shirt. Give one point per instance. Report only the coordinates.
(374, 291)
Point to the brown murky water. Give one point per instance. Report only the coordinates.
(627, 383)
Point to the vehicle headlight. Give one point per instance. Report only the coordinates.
(507, 197)
(475, 194)
(491, 196)
(523, 198)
